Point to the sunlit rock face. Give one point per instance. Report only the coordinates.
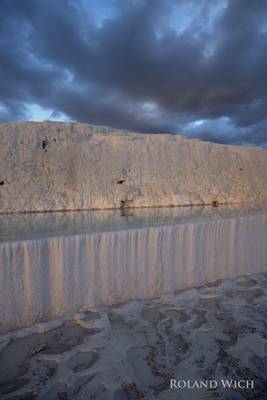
(61, 166)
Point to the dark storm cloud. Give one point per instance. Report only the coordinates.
(192, 67)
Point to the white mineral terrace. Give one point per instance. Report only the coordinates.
(54, 264)
(52, 166)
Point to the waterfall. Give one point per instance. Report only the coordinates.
(45, 277)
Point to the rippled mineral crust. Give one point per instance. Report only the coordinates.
(65, 166)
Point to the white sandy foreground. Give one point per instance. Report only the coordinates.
(131, 352)
(61, 166)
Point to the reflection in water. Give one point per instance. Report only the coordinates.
(34, 225)
(82, 259)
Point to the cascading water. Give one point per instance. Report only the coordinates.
(54, 264)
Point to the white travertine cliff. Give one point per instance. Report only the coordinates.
(63, 166)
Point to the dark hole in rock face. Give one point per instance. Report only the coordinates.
(125, 204)
(120, 181)
(44, 144)
(2, 183)
(215, 203)
(240, 169)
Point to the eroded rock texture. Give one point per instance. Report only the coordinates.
(62, 166)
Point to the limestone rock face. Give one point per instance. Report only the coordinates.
(64, 166)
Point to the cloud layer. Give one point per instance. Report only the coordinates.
(192, 67)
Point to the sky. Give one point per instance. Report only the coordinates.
(192, 67)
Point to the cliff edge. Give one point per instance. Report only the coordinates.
(51, 166)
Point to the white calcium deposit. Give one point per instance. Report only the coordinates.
(62, 166)
(48, 277)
